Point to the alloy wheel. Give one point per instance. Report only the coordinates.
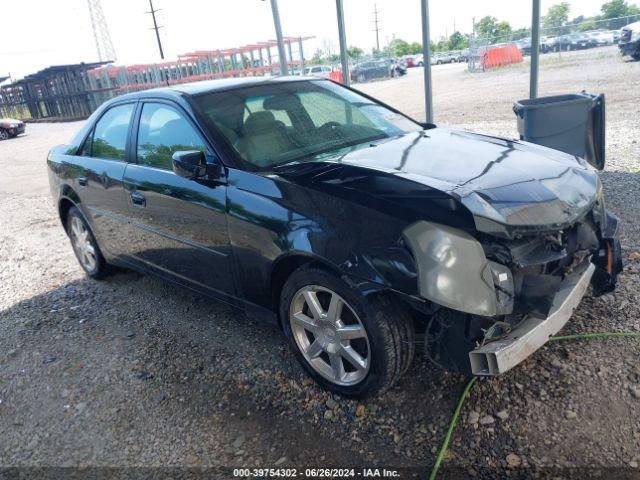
(83, 244)
(3, 134)
(330, 335)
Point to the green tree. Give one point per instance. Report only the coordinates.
(586, 25)
(398, 47)
(415, 48)
(355, 52)
(520, 33)
(317, 56)
(458, 41)
(489, 27)
(557, 15)
(614, 9)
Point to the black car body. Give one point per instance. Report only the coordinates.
(525, 46)
(10, 127)
(629, 42)
(410, 228)
(370, 70)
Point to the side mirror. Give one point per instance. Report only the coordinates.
(189, 163)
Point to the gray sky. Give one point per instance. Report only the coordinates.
(59, 32)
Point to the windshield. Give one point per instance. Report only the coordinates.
(279, 123)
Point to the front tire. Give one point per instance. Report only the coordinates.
(4, 135)
(351, 345)
(85, 246)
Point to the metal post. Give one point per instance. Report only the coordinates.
(282, 57)
(426, 61)
(301, 53)
(535, 49)
(343, 43)
(270, 60)
(290, 55)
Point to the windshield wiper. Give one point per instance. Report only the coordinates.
(333, 148)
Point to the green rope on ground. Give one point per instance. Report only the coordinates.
(581, 336)
(467, 389)
(452, 425)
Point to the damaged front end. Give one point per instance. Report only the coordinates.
(535, 282)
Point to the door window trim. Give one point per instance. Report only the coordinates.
(210, 153)
(92, 130)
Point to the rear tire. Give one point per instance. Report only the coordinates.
(324, 339)
(85, 246)
(4, 135)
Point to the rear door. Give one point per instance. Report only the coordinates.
(98, 172)
(180, 225)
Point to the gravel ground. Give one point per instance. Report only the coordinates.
(134, 372)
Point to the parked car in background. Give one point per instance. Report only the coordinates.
(581, 41)
(525, 46)
(358, 231)
(320, 71)
(575, 41)
(616, 35)
(462, 56)
(440, 58)
(629, 43)
(601, 37)
(409, 60)
(397, 67)
(370, 70)
(418, 60)
(10, 128)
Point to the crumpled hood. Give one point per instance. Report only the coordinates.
(501, 182)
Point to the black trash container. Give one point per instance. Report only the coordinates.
(572, 123)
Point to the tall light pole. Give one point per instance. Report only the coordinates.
(343, 43)
(276, 23)
(426, 61)
(535, 49)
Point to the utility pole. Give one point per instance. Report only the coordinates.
(156, 27)
(376, 26)
(426, 60)
(282, 56)
(344, 60)
(535, 49)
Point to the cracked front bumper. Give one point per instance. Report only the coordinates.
(500, 355)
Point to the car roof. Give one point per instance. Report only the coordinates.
(211, 86)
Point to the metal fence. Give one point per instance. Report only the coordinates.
(71, 92)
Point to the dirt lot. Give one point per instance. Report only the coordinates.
(133, 372)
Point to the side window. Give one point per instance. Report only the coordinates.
(110, 133)
(163, 131)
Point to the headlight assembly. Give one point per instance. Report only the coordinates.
(454, 272)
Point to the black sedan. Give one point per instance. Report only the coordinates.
(371, 70)
(347, 224)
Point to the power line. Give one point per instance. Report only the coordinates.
(376, 22)
(101, 35)
(156, 27)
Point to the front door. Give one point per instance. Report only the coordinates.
(180, 225)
